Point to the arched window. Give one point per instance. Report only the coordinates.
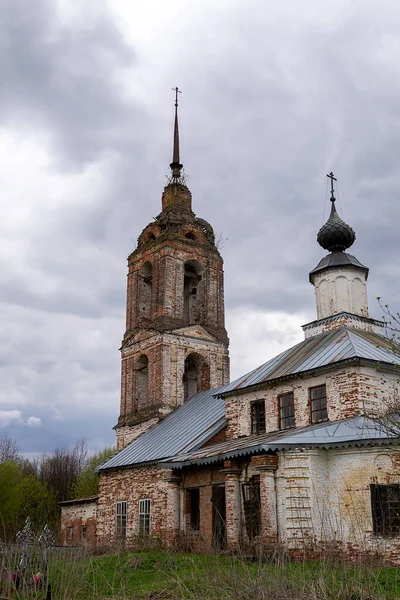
(196, 377)
(191, 281)
(192, 375)
(145, 289)
(142, 381)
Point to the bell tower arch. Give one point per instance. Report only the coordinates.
(175, 343)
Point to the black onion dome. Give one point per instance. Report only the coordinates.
(335, 235)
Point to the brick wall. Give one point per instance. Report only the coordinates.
(73, 518)
(168, 319)
(131, 485)
(350, 391)
(325, 501)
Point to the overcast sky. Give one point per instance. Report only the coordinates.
(275, 95)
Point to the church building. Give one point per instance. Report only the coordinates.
(285, 456)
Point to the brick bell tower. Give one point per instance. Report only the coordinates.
(175, 343)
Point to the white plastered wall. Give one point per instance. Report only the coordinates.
(341, 290)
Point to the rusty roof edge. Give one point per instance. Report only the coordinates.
(277, 448)
(86, 500)
(340, 315)
(130, 466)
(212, 459)
(332, 445)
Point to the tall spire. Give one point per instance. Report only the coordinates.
(176, 166)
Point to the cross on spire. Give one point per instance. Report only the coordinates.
(332, 178)
(177, 91)
(176, 166)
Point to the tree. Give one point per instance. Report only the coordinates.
(37, 502)
(60, 470)
(9, 450)
(387, 415)
(10, 499)
(88, 481)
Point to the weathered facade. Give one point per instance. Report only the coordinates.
(286, 455)
(175, 343)
(79, 521)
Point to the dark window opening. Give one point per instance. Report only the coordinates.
(151, 237)
(190, 236)
(142, 381)
(145, 290)
(319, 411)
(251, 506)
(190, 284)
(286, 411)
(120, 523)
(385, 505)
(83, 532)
(194, 510)
(195, 376)
(144, 517)
(258, 416)
(218, 517)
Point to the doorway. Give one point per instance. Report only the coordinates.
(218, 517)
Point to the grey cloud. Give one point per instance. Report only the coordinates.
(63, 79)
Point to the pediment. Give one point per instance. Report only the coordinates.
(139, 336)
(194, 331)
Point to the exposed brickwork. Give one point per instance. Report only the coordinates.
(350, 391)
(343, 320)
(267, 461)
(175, 344)
(132, 485)
(326, 499)
(217, 438)
(175, 311)
(75, 517)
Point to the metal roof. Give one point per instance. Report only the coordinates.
(186, 428)
(319, 351)
(358, 431)
(338, 259)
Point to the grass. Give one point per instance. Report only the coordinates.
(158, 575)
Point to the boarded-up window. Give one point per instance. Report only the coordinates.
(385, 505)
(258, 416)
(70, 533)
(120, 521)
(286, 411)
(319, 411)
(251, 506)
(144, 516)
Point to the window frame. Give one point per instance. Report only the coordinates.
(144, 517)
(286, 417)
(121, 518)
(83, 532)
(322, 409)
(384, 523)
(257, 417)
